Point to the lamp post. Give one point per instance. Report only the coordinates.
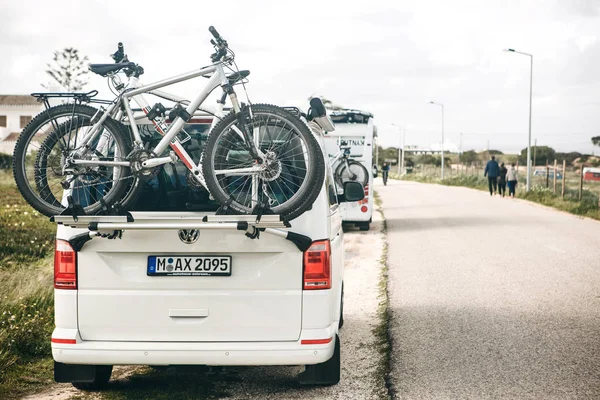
(530, 99)
(441, 105)
(400, 146)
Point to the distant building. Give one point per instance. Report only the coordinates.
(15, 113)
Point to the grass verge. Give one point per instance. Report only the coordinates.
(382, 331)
(587, 207)
(26, 293)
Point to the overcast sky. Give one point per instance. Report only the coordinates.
(387, 57)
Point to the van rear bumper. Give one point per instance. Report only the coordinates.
(190, 353)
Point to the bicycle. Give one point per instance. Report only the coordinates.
(348, 169)
(384, 175)
(257, 155)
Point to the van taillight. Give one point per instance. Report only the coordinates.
(65, 266)
(317, 266)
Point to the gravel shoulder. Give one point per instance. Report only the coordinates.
(362, 356)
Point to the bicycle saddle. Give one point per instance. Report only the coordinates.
(237, 76)
(105, 69)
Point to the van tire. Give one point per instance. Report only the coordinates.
(365, 226)
(101, 378)
(326, 373)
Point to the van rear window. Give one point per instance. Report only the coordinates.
(170, 188)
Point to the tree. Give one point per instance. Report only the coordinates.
(568, 157)
(426, 159)
(68, 69)
(596, 140)
(468, 157)
(543, 154)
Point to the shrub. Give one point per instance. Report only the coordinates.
(5, 161)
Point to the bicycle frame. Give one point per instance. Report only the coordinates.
(135, 91)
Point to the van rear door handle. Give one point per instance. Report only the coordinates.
(188, 312)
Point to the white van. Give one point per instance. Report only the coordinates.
(354, 130)
(197, 288)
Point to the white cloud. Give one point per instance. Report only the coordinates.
(387, 57)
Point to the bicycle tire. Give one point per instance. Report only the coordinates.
(216, 153)
(44, 202)
(355, 167)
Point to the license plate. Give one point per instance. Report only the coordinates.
(199, 265)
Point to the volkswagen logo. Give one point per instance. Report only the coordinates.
(189, 236)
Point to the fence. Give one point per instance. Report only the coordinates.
(564, 182)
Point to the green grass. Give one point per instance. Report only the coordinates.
(26, 290)
(381, 331)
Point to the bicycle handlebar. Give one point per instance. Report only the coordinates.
(214, 32)
(119, 54)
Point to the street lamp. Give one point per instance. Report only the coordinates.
(400, 155)
(441, 105)
(530, 98)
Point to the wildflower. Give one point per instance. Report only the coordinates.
(25, 213)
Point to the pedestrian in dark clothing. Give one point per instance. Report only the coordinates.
(511, 179)
(502, 180)
(385, 170)
(492, 170)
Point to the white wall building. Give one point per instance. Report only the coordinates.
(15, 113)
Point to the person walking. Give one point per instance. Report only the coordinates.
(385, 170)
(502, 180)
(492, 170)
(511, 179)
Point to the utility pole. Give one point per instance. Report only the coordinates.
(534, 151)
(460, 154)
(402, 159)
(442, 106)
(530, 107)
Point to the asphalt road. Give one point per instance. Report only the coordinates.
(490, 297)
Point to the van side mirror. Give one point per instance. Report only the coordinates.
(353, 191)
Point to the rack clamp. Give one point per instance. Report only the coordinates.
(261, 209)
(115, 209)
(73, 209)
(225, 208)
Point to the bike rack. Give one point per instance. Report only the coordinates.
(112, 226)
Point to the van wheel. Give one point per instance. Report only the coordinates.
(324, 374)
(364, 226)
(101, 378)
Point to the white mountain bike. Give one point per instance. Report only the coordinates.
(257, 155)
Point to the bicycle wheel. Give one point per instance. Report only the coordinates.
(354, 172)
(43, 167)
(288, 182)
